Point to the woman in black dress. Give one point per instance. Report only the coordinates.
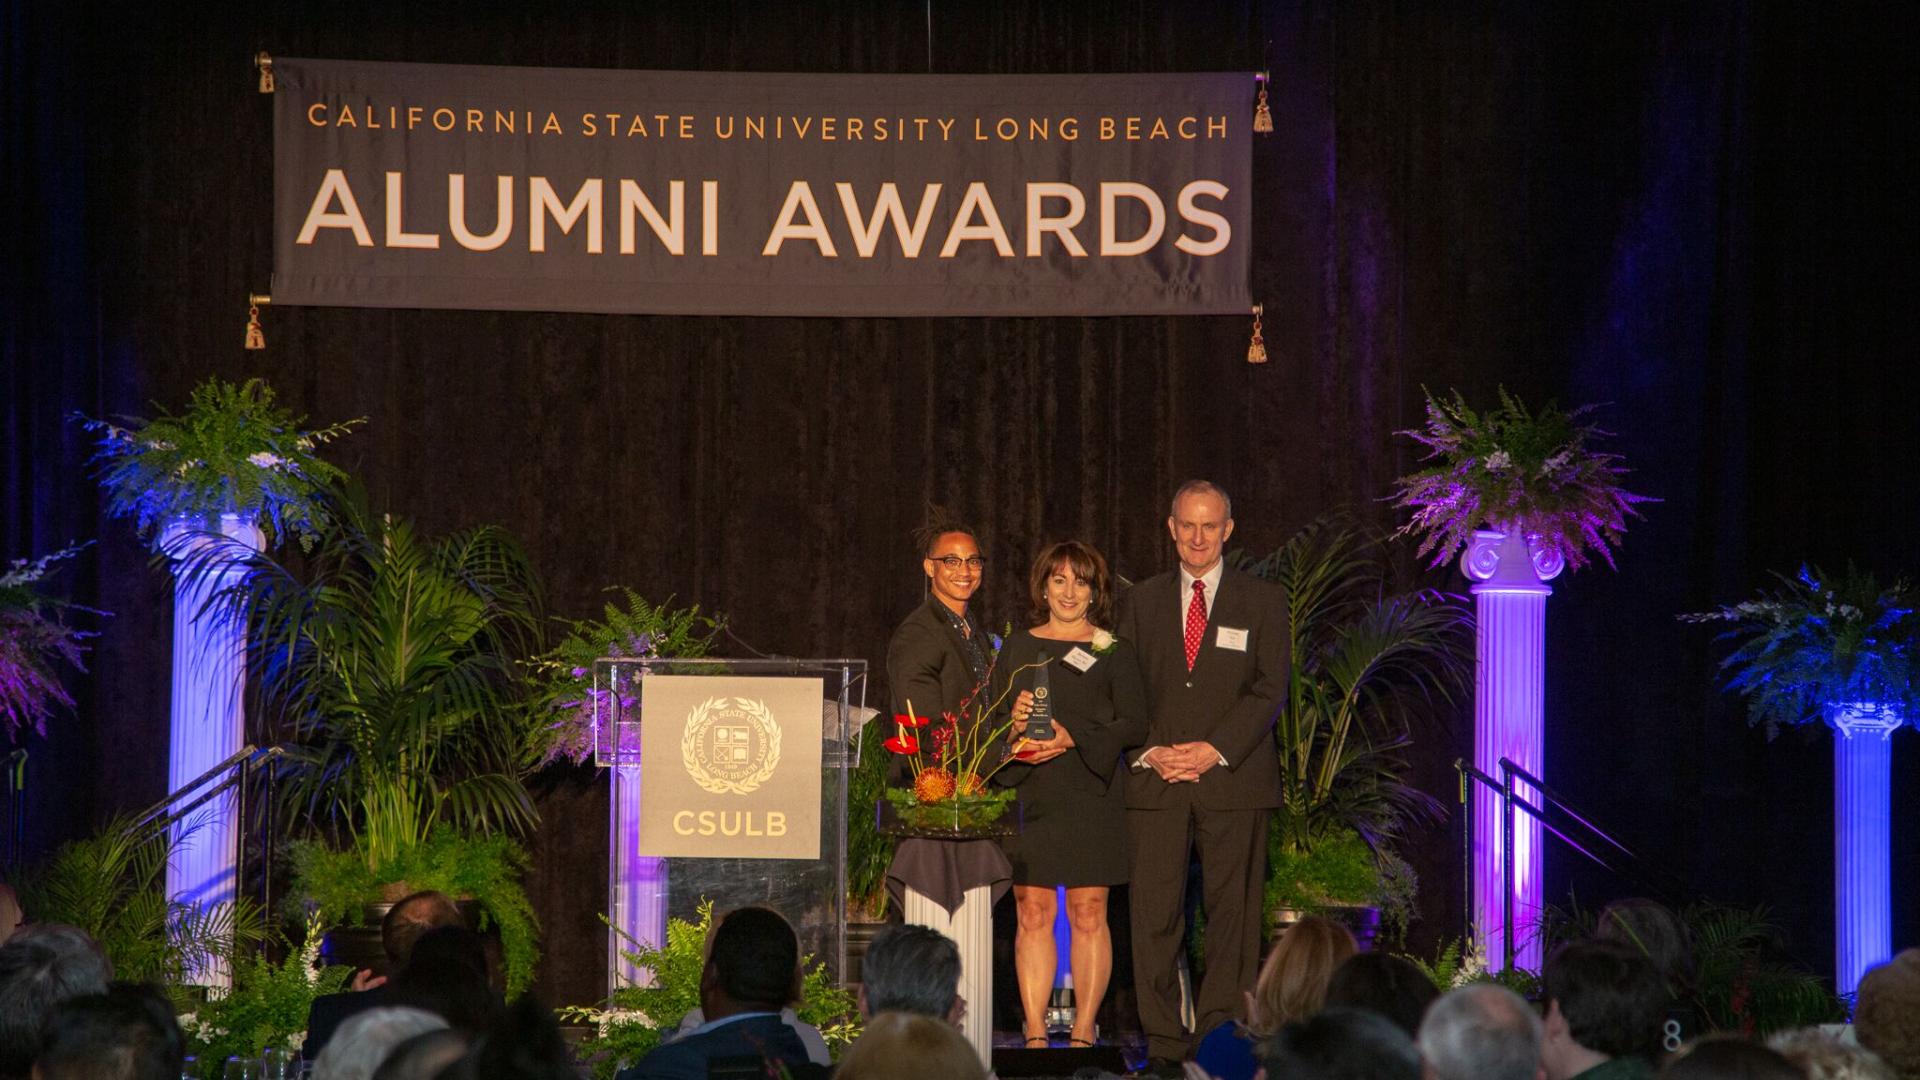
(1070, 788)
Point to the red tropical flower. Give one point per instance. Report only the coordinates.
(903, 743)
(907, 720)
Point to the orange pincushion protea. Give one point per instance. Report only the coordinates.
(933, 785)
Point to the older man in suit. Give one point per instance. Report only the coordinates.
(1214, 648)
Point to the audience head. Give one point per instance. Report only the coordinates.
(1604, 998)
(11, 916)
(1385, 984)
(1886, 1015)
(753, 963)
(447, 976)
(424, 1056)
(525, 1044)
(407, 921)
(1727, 1057)
(908, 1046)
(1341, 1044)
(1823, 1057)
(1481, 1032)
(365, 1039)
(910, 969)
(40, 967)
(1656, 932)
(127, 1033)
(1293, 982)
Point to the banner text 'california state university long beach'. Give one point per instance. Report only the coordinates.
(679, 192)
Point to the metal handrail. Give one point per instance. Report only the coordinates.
(1637, 870)
(233, 773)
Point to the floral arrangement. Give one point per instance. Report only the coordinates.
(233, 451)
(635, 1019)
(1518, 470)
(637, 631)
(267, 1006)
(34, 639)
(963, 751)
(1820, 641)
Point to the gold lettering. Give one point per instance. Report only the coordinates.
(1216, 125)
(686, 127)
(1159, 129)
(756, 127)
(776, 823)
(800, 198)
(1133, 129)
(1038, 222)
(457, 214)
(1187, 122)
(1070, 128)
(476, 120)
(1206, 219)
(682, 823)
(854, 124)
(801, 125)
(1007, 128)
(1110, 195)
(545, 201)
(346, 118)
(322, 107)
(587, 127)
(1106, 128)
(671, 230)
(826, 129)
(720, 132)
(334, 186)
(977, 201)
(887, 208)
(1038, 127)
(504, 121)
(552, 126)
(413, 116)
(451, 120)
(946, 127)
(638, 127)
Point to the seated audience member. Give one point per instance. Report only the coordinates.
(10, 914)
(1824, 1057)
(40, 967)
(1480, 1032)
(424, 1056)
(1385, 984)
(911, 969)
(1292, 985)
(1341, 1044)
(1658, 933)
(447, 975)
(1886, 1015)
(1605, 1007)
(405, 923)
(752, 973)
(367, 1037)
(909, 1046)
(1726, 1057)
(525, 1044)
(127, 1033)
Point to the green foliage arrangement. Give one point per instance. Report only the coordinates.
(1518, 470)
(1366, 661)
(1340, 870)
(1821, 641)
(637, 1018)
(393, 661)
(1459, 963)
(486, 869)
(233, 451)
(267, 1005)
(564, 675)
(113, 885)
(869, 851)
(35, 639)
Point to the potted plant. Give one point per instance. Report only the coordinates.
(1844, 651)
(1526, 474)
(35, 639)
(637, 1018)
(233, 453)
(393, 662)
(1365, 660)
(266, 1008)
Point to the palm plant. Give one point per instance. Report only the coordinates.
(1365, 660)
(113, 885)
(392, 659)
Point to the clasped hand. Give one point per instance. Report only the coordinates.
(1032, 751)
(1183, 762)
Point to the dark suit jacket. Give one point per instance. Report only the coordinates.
(329, 1011)
(1230, 698)
(765, 1038)
(925, 664)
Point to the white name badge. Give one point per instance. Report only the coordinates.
(1229, 638)
(1079, 659)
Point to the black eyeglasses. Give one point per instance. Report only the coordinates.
(955, 562)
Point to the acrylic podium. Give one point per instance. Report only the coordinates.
(730, 785)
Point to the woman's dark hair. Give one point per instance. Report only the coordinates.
(1382, 983)
(1726, 1057)
(1087, 565)
(447, 976)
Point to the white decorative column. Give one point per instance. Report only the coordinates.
(1862, 834)
(636, 883)
(208, 722)
(1510, 591)
(971, 928)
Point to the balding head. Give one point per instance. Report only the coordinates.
(409, 920)
(1481, 1032)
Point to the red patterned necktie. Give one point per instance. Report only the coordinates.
(1196, 622)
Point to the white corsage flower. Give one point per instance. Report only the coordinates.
(1103, 641)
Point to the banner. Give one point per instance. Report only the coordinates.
(730, 767)
(685, 192)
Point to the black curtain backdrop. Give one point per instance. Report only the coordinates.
(1700, 214)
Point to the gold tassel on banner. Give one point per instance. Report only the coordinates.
(265, 63)
(1257, 348)
(1262, 116)
(256, 336)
